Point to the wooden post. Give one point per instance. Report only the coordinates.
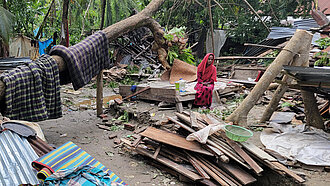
(99, 78)
(299, 40)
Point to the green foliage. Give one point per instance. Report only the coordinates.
(177, 46)
(132, 69)
(127, 81)
(323, 61)
(116, 128)
(323, 42)
(286, 104)
(235, 17)
(267, 62)
(124, 117)
(113, 84)
(6, 23)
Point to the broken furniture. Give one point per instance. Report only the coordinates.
(164, 91)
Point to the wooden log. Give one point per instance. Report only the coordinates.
(141, 19)
(99, 93)
(282, 88)
(299, 40)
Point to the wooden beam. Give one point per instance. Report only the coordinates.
(241, 57)
(136, 93)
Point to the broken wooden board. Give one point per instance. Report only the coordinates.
(177, 167)
(258, 152)
(244, 177)
(174, 140)
(289, 172)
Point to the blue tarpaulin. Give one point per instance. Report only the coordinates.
(43, 45)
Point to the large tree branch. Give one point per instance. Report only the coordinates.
(141, 19)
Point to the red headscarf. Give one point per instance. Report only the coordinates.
(209, 72)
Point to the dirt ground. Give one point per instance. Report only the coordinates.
(79, 125)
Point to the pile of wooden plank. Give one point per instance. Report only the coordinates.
(221, 161)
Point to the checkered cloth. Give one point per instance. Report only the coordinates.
(85, 59)
(33, 91)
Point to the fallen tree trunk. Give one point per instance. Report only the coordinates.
(142, 19)
(299, 40)
(298, 60)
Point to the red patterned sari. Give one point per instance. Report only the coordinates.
(206, 76)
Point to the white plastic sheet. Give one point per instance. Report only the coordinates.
(310, 146)
(202, 135)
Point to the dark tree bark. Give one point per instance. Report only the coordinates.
(65, 41)
(4, 4)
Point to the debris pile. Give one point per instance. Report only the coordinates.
(220, 161)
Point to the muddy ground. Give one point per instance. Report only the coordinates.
(79, 125)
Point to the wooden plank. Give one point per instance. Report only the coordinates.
(179, 168)
(254, 165)
(157, 152)
(241, 57)
(155, 94)
(136, 93)
(219, 152)
(290, 173)
(174, 140)
(231, 181)
(193, 119)
(257, 151)
(179, 107)
(210, 172)
(244, 177)
(198, 168)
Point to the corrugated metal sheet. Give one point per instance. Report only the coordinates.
(16, 156)
(9, 63)
(255, 51)
(285, 32)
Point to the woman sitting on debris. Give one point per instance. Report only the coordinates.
(206, 76)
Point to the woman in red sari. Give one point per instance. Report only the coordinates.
(206, 76)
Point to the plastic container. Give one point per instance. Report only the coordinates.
(182, 85)
(238, 133)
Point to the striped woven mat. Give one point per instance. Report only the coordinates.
(67, 156)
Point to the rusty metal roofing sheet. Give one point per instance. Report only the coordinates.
(16, 156)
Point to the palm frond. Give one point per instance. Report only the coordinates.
(6, 23)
